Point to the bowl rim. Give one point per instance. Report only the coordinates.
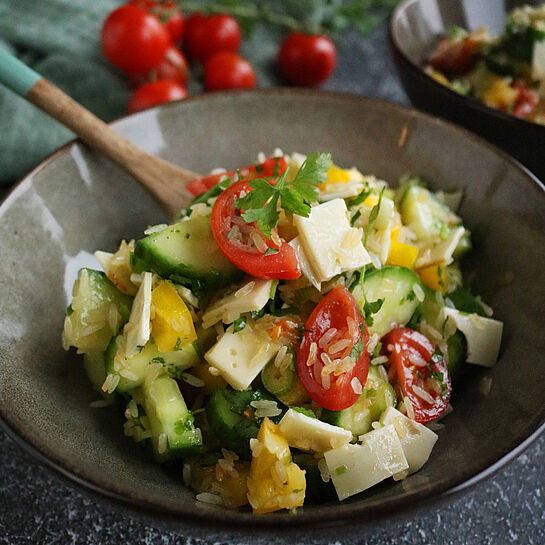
(468, 102)
(243, 521)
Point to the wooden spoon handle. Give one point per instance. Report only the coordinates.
(166, 181)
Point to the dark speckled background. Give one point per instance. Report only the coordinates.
(36, 507)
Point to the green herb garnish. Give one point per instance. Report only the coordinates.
(370, 308)
(373, 216)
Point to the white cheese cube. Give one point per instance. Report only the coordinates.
(307, 433)
(329, 242)
(354, 468)
(538, 61)
(137, 329)
(252, 295)
(417, 441)
(304, 263)
(241, 356)
(440, 253)
(483, 336)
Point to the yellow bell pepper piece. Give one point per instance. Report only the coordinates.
(402, 255)
(394, 232)
(172, 326)
(371, 201)
(335, 175)
(500, 94)
(435, 277)
(275, 481)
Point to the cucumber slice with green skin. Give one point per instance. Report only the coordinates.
(95, 369)
(171, 423)
(317, 490)
(232, 418)
(279, 381)
(457, 354)
(97, 311)
(425, 215)
(376, 397)
(395, 286)
(432, 309)
(185, 251)
(174, 362)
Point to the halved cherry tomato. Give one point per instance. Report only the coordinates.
(337, 316)
(241, 251)
(272, 166)
(422, 377)
(526, 101)
(454, 56)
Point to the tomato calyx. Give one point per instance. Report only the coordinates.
(244, 245)
(418, 372)
(333, 359)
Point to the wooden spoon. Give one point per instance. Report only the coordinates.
(163, 179)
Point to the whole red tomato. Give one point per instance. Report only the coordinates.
(173, 67)
(168, 12)
(134, 40)
(228, 70)
(154, 93)
(306, 60)
(205, 36)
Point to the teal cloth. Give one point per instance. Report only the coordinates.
(60, 40)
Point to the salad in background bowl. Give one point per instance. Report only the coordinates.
(476, 65)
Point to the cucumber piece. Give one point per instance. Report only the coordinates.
(317, 490)
(466, 302)
(174, 362)
(185, 252)
(279, 381)
(96, 313)
(457, 353)
(425, 215)
(376, 397)
(171, 423)
(95, 369)
(432, 309)
(233, 420)
(395, 286)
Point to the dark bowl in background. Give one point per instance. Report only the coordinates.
(78, 201)
(415, 27)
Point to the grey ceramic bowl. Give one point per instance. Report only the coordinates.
(78, 201)
(415, 27)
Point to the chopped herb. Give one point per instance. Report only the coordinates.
(341, 469)
(371, 308)
(357, 350)
(355, 217)
(139, 348)
(437, 375)
(437, 355)
(411, 296)
(296, 490)
(212, 192)
(187, 235)
(261, 204)
(365, 192)
(302, 410)
(69, 309)
(177, 345)
(271, 251)
(256, 314)
(373, 216)
(416, 318)
(158, 359)
(371, 392)
(239, 324)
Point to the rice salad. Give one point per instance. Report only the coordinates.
(292, 337)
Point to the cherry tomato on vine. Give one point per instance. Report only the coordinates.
(228, 70)
(335, 373)
(422, 376)
(307, 60)
(174, 67)
(272, 166)
(134, 40)
(206, 35)
(234, 238)
(167, 12)
(155, 93)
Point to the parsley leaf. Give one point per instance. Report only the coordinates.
(370, 308)
(239, 324)
(262, 204)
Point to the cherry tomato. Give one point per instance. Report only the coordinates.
(241, 250)
(228, 70)
(337, 316)
(424, 380)
(173, 67)
(134, 40)
(272, 166)
(526, 101)
(306, 60)
(154, 93)
(167, 12)
(454, 56)
(205, 36)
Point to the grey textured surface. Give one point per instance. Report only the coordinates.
(36, 507)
